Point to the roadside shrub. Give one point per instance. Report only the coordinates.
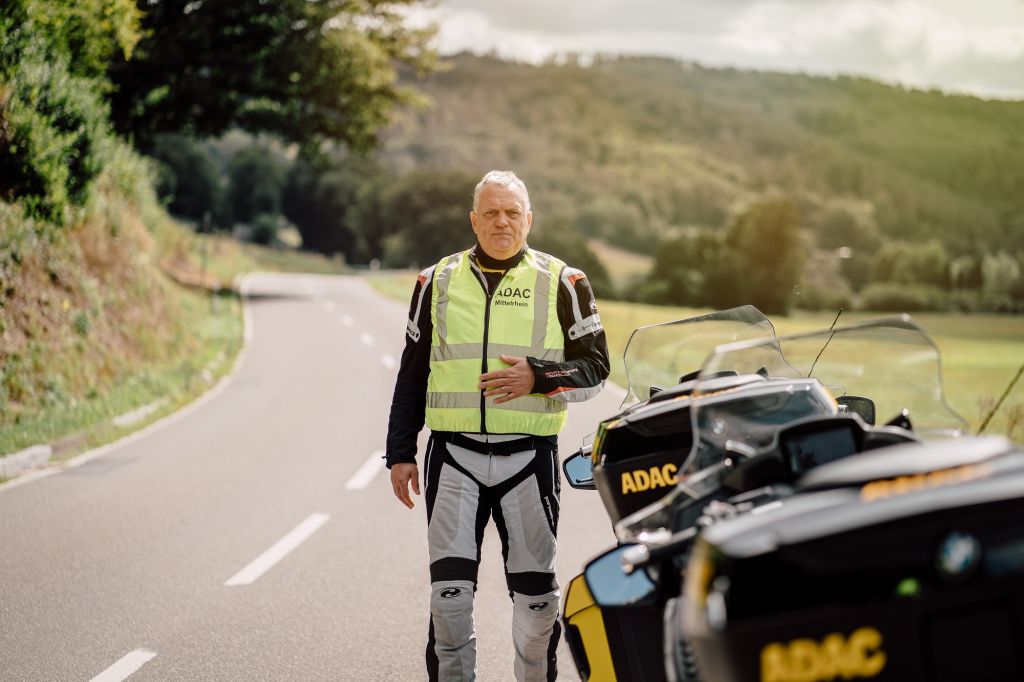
(892, 297)
(817, 296)
(264, 228)
(822, 286)
(54, 138)
(257, 178)
(188, 179)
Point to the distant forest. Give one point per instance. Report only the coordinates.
(831, 191)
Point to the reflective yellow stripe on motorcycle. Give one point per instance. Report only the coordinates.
(585, 616)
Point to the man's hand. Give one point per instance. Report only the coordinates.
(511, 383)
(401, 476)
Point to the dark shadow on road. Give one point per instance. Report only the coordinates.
(271, 296)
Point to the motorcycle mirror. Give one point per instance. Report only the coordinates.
(611, 585)
(579, 471)
(859, 405)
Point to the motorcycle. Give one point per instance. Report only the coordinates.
(763, 412)
(902, 563)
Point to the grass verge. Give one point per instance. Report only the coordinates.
(80, 424)
(178, 364)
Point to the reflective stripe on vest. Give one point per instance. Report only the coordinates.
(523, 321)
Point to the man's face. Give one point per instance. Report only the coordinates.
(501, 221)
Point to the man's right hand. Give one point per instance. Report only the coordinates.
(401, 476)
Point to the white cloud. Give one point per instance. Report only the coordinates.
(956, 45)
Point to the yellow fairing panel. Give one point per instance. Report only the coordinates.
(585, 616)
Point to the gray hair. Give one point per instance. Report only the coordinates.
(505, 178)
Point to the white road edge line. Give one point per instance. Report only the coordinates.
(280, 549)
(367, 472)
(128, 664)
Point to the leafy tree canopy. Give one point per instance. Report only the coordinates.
(769, 257)
(305, 70)
(257, 178)
(85, 33)
(426, 214)
(188, 178)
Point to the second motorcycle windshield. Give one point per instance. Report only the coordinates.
(659, 355)
(891, 361)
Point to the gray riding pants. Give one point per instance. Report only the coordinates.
(464, 490)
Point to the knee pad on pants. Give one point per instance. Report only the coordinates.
(451, 608)
(533, 615)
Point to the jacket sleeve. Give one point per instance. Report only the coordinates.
(409, 403)
(582, 375)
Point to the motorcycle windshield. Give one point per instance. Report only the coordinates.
(659, 355)
(891, 361)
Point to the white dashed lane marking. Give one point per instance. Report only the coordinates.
(388, 361)
(371, 467)
(329, 306)
(347, 321)
(128, 664)
(264, 562)
(367, 339)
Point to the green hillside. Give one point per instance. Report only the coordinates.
(634, 149)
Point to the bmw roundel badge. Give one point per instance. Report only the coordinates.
(958, 557)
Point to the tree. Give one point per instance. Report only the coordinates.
(256, 180)
(427, 215)
(681, 269)
(769, 255)
(555, 236)
(55, 136)
(909, 263)
(189, 180)
(304, 70)
(84, 33)
(328, 200)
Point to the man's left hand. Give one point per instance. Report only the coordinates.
(508, 384)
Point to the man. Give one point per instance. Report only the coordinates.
(500, 337)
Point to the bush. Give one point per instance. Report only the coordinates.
(904, 298)
(257, 178)
(54, 138)
(822, 286)
(264, 228)
(189, 181)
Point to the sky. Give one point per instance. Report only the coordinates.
(972, 46)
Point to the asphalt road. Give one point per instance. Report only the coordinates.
(255, 537)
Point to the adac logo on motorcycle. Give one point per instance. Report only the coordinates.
(836, 657)
(640, 480)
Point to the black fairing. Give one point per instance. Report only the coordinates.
(872, 556)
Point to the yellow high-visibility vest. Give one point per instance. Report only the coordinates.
(472, 330)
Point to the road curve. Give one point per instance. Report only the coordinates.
(256, 538)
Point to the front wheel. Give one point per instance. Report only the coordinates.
(680, 663)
